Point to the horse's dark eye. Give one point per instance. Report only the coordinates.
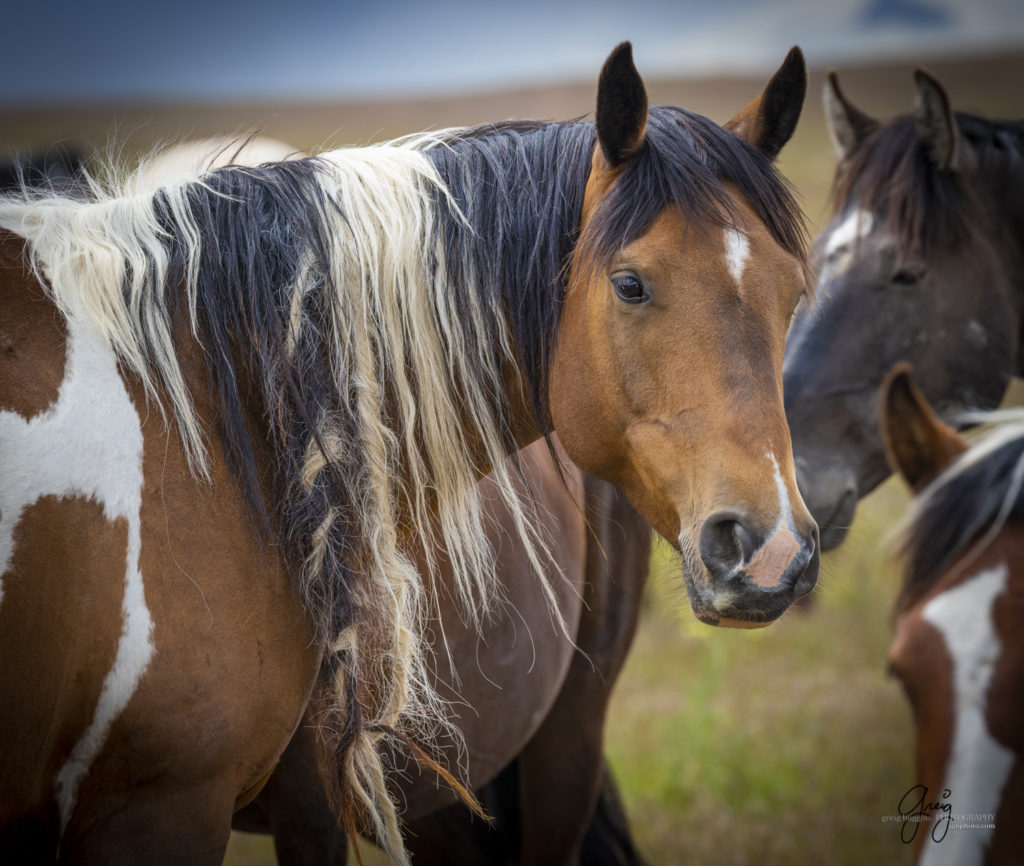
(905, 277)
(630, 289)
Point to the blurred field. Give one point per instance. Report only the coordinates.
(783, 746)
(988, 84)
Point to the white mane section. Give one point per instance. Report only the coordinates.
(184, 161)
(395, 327)
(95, 259)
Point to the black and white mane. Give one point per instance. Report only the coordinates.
(966, 505)
(928, 209)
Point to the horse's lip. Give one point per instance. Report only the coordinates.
(754, 606)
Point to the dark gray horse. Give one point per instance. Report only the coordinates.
(922, 262)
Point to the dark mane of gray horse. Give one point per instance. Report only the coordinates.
(890, 175)
(980, 491)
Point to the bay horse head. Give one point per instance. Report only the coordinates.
(921, 263)
(957, 647)
(665, 375)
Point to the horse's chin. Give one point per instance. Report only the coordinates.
(724, 608)
(731, 617)
(738, 623)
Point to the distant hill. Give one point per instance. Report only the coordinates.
(988, 84)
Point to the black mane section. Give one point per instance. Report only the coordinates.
(684, 161)
(890, 174)
(257, 227)
(962, 505)
(520, 187)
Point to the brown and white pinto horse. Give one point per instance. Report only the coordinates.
(227, 406)
(959, 642)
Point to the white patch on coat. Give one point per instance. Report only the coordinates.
(737, 251)
(785, 508)
(781, 546)
(88, 444)
(978, 766)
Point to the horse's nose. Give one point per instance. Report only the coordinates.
(727, 543)
(752, 571)
(830, 493)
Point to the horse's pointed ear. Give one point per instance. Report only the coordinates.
(937, 128)
(918, 444)
(769, 121)
(621, 107)
(847, 124)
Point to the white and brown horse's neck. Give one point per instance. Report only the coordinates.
(978, 764)
(83, 440)
(956, 644)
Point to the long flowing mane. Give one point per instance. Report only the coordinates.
(890, 175)
(372, 302)
(966, 505)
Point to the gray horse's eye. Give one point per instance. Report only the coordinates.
(906, 277)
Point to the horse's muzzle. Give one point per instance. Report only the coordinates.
(743, 578)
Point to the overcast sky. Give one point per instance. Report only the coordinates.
(55, 50)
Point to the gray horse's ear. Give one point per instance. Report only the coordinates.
(769, 121)
(847, 124)
(937, 128)
(621, 107)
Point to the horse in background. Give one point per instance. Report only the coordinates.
(958, 647)
(922, 262)
(228, 404)
(58, 167)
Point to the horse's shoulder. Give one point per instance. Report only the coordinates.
(33, 335)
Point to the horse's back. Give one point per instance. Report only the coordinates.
(153, 658)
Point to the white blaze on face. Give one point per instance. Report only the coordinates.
(770, 562)
(737, 250)
(88, 444)
(841, 241)
(978, 766)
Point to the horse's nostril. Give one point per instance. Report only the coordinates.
(726, 543)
